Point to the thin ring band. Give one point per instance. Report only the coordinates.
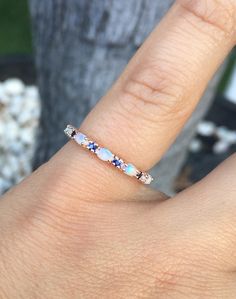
(106, 155)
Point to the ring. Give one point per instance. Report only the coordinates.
(105, 154)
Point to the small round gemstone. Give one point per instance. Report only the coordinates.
(131, 170)
(104, 154)
(146, 178)
(92, 146)
(81, 139)
(69, 131)
(116, 162)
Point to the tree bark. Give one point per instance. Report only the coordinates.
(81, 48)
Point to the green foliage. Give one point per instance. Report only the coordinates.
(15, 35)
(228, 72)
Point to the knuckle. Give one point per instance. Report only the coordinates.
(152, 95)
(220, 14)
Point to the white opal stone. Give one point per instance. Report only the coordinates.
(81, 139)
(131, 170)
(104, 154)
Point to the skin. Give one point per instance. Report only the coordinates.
(77, 228)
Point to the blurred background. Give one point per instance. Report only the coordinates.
(19, 100)
(20, 107)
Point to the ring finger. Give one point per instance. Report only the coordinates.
(146, 108)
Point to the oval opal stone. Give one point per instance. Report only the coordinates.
(131, 170)
(80, 138)
(104, 154)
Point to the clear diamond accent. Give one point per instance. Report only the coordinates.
(146, 178)
(69, 130)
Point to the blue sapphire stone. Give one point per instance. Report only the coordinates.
(92, 146)
(116, 162)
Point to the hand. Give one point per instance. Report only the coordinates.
(77, 228)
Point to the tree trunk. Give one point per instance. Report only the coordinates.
(81, 48)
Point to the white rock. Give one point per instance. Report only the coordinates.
(14, 86)
(19, 115)
(24, 117)
(33, 107)
(232, 137)
(32, 92)
(206, 128)
(17, 148)
(221, 147)
(35, 114)
(13, 163)
(31, 102)
(221, 132)
(27, 136)
(15, 106)
(12, 131)
(2, 132)
(6, 171)
(195, 146)
(4, 98)
(227, 135)
(25, 166)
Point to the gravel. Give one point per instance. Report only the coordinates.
(19, 116)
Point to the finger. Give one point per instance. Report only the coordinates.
(146, 108)
(208, 211)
